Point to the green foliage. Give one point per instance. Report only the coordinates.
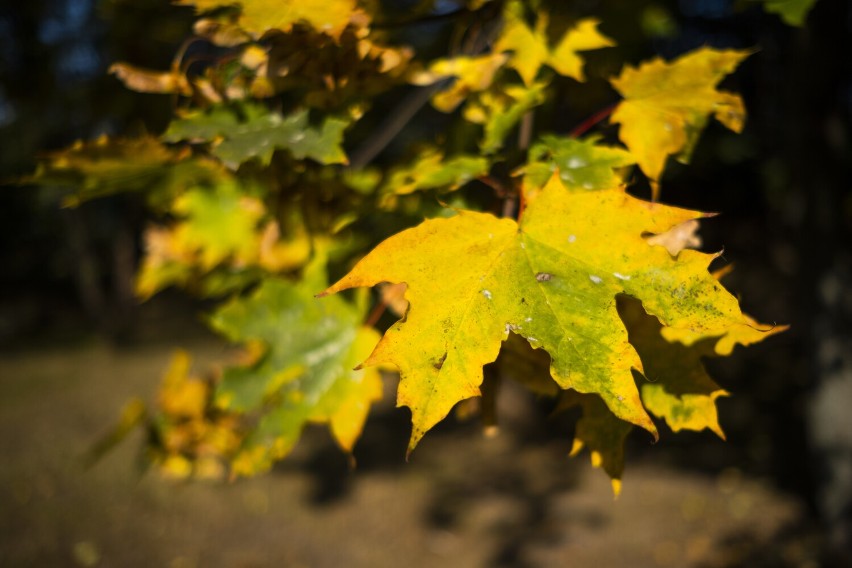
(283, 153)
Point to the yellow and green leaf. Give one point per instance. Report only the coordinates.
(252, 131)
(432, 170)
(107, 166)
(500, 110)
(582, 164)
(306, 371)
(553, 279)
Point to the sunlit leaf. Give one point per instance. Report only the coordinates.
(552, 279)
(260, 16)
(667, 104)
(531, 49)
(585, 164)
(471, 74)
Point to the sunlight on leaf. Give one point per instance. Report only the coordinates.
(553, 280)
(666, 105)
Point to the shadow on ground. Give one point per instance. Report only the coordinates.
(463, 499)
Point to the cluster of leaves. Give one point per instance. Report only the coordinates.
(254, 198)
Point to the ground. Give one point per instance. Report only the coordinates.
(463, 499)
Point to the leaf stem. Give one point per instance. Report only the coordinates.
(376, 314)
(590, 122)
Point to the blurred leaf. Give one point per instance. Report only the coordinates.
(793, 12)
(306, 372)
(147, 81)
(500, 110)
(431, 170)
(217, 224)
(260, 16)
(472, 75)
(192, 438)
(258, 133)
(118, 165)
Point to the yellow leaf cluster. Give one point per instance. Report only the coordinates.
(196, 440)
(216, 228)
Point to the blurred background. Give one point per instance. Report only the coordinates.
(74, 344)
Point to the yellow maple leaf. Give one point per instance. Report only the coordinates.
(552, 279)
(667, 104)
(532, 51)
(260, 16)
(472, 74)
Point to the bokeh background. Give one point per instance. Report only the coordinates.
(74, 344)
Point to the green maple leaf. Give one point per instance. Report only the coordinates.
(259, 132)
(553, 279)
(500, 110)
(306, 370)
(582, 164)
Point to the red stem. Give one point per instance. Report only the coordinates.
(587, 124)
(376, 314)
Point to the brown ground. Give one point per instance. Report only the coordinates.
(463, 500)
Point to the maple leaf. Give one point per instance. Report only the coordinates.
(531, 49)
(431, 170)
(667, 104)
(305, 372)
(193, 438)
(472, 75)
(106, 166)
(500, 110)
(259, 133)
(208, 213)
(216, 224)
(679, 390)
(553, 279)
(793, 12)
(599, 431)
(582, 164)
(260, 16)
